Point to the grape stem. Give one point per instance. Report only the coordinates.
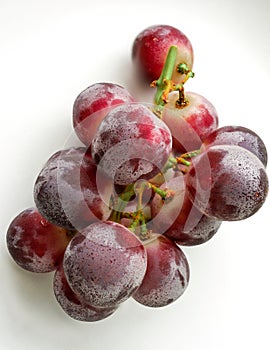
(181, 102)
(183, 158)
(164, 84)
(121, 202)
(174, 162)
(139, 215)
(139, 220)
(162, 193)
(191, 154)
(183, 68)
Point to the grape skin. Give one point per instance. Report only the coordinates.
(92, 105)
(238, 136)
(190, 124)
(227, 183)
(104, 264)
(131, 143)
(34, 243)
(150, 49)
(178, 219)
(66, 192)
(201, 233)
(165, 212)
(167, 273)
(72, 305)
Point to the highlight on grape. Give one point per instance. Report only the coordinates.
(111, 216)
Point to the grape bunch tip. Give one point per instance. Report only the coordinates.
(112, 216)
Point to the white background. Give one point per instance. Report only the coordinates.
(53, 49)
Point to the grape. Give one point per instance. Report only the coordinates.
(150, 49)
(205, 229)
(191, 123)
(66, 192)
(72, 305)
(238, 136)
(104, 264)
(165, 212)
(227, 183)
(167, 273)
(91, 106)
(131, 143)
(178, 219)
(110, 216)
(34, 243)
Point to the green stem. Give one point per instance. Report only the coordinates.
(138, 217)
(143, 228)
(163, 194)
(191, 154)
(183, 161)
(139, 220)
(173, 162)
(164, 82)
(188, 155)
(183, 68)
(121, 203)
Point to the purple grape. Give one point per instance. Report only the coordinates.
(227, 183)
(72, 305)
(66, 191)
(131, 143)
(201, 233)
(34, 243)
(238, 136)
(167, 273)
(104, 264)
(178, 219)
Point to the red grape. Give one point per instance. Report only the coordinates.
(104, 264)
(150, 49)
(72, 305)
(66, 191)
(131, 143)
(227, 182)
(178, 219)
(34, 243)
(91, 106)
(238, 136)
(167, 273)
(205, 229)
(191, 123)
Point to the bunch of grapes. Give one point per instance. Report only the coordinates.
(111, 215)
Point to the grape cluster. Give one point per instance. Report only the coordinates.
(111, 215)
